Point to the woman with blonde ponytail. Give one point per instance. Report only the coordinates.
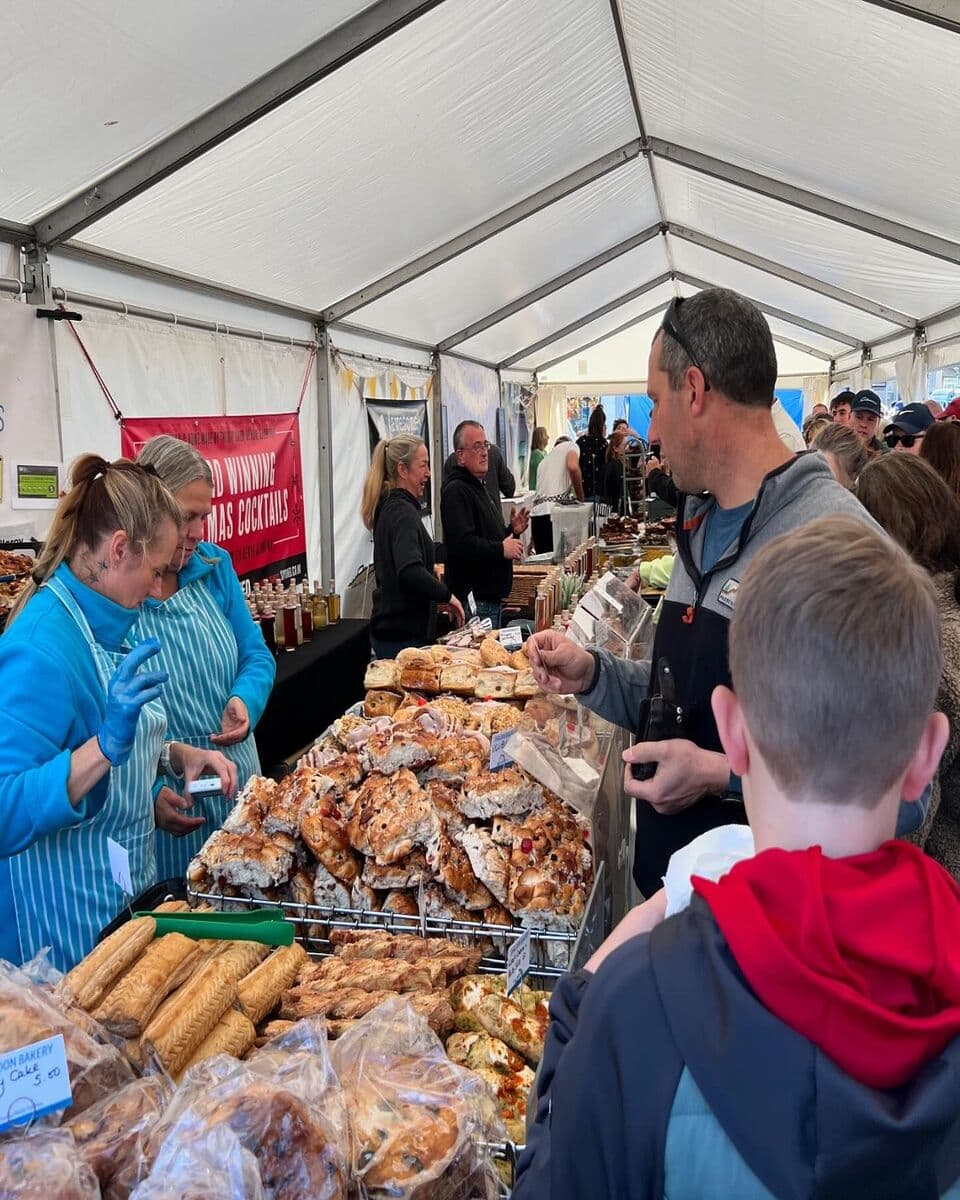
(81, 725)
(408, 592)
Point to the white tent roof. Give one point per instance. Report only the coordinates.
(512, 179)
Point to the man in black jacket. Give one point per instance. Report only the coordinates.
(498, 481)
(481, 549)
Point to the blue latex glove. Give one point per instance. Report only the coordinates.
(127, 693)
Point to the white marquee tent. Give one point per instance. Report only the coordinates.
(511, 182)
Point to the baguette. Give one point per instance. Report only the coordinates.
(93, 976)
(165, 964)
(233, 1034)
(259, 992)
(187, 1017)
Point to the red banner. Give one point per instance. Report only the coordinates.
(257, 485)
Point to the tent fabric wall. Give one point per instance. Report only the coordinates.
(352, 380)
(153, 369)
(28, 411)
(468, 392)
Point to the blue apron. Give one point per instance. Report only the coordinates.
(200, 654)
(62, 887)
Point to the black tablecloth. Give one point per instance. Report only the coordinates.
(315, 683)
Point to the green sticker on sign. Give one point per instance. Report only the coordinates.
(37, 483)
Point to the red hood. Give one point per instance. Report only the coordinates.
(859, 955)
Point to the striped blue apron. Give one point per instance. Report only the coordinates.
(200, 654)
(62, 888)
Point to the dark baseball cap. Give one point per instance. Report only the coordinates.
(867, 401)
(913, 418)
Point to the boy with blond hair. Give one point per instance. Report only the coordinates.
(795, 1032)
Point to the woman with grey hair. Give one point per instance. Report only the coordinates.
(220, 669)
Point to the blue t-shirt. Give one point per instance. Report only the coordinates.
(723, 528)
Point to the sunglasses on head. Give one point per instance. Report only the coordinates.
(907, 440)
(671, 327)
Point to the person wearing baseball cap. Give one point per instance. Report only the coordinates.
(951, 411)
(905, 432)
(865, 415)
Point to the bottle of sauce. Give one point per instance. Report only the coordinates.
(333, 604)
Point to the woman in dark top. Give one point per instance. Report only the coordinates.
(593, 453)
(613, 472)
(408, 592)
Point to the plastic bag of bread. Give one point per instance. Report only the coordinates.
(45, 1166)
(30, 1014)
(111, 1135)
(284, 1104)
(213, 1166)
(419, 1123)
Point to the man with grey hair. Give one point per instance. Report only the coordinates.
(711, 378)
(481, 548)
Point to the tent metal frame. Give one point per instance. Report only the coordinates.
(824, 331)
(545, 366)
(288, 79)
(934, 12)
(500, 221)
(551, 286)
(797, 197)
(767, 265)
(595, 315)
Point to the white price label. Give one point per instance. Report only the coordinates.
(471, 603)
(518, 961)
(511, 637)
(499, 756)
(34, 1081)
(119, 866)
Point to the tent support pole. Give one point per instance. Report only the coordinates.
(486, 229)
(602, 311)
(823, 206)
(436, 451)
(40, 292)
(547, 289)
(328, 558)
(934, 12)
(305, 68)
(790, 275)
(791, 318)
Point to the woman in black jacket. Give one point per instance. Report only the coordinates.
(408, 592)
(593, 454)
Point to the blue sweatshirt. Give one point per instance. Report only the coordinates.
(51, 702)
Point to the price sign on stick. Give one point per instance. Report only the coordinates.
(119, 866)
(471, 604)
(499, 756)
(511, 637)
(34, 1081)
(518, 961)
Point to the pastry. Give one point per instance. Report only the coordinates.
(459, 710)
(391, 817)
(252, 804)
(526, 685)
(500, 1016)
(421, 678)
(165, 964)
(294, 791)
(364, 898)
(370, 974)
(445, 804)
(414, 656)
(457, 758)
(490, 717)
(459, 678)
(519, 660)
(381, 673)
(233, 1034)
(323, 828)
(440, 654)
(351, 945)
(453, 870)
(404, 904)
(93, 976)
(344, 773)
(493, 792)
(389, 752)
(495, 683)
(489, 862)
(186, 1018)
(110, 1136)
(328, 891)
(380, 704)
(493, 653)
(251, 860)
(259, 992)
(406, 872)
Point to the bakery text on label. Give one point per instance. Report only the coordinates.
(34, 1081)
(511, 637)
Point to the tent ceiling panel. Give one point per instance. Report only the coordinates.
(514, 262)
(780, 75)
(657, 297)
(539, 320)
(780, 293)
(76, 125)
(870, 266)
(407, 145)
